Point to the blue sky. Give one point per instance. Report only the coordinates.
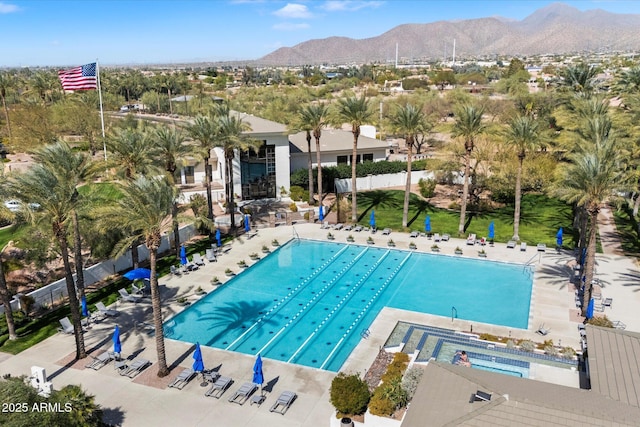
(59, 33)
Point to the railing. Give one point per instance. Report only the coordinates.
(454, 313)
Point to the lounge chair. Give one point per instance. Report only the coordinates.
(137, 290)
(386, 231)
(134, 368)
(66, 326)
(541, 247)
(542, 330)
(283, 403)
(483, 241)
(338, 226)
(414, 234)
(243, 393)
(607, 302)
(511, 244)
(126, 296)
(210, 255)
(523, 247)
(471, 240)
(325, 225)
(482, 396)
(210, 376)
(436, 237)
(445, 237)
(619, 325)
(106, 311)
(219, 387)
(357, 228)
(348, 227)
(175, 271)
(197, 259)
(251, 234)
(182, 379)
(101, 360)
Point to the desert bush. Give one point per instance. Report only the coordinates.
(427, 187)
(298, 193)
(397, 367)
(601, 321)
(568, 352)
(411, 380)
(293, 207)
(381, 405)
(527, 345)
(511, 343)
(388, 397)
(349, 394)
(550, 350)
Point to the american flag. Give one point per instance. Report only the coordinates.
(79, 78)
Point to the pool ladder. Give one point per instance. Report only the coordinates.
(454, 313)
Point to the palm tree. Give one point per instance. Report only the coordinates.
(524, 136)
(409, 121)
(173, 152)
(131, 154)
(145, 208)
(7, 82)
(468, 126)
(70, 167)
(312, 119)
(355, 111)
(580, 78)
(204, 131)
(57, 199)
(594, 175)
(231, 138)
(5, 298)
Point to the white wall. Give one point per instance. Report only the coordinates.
(300, 160)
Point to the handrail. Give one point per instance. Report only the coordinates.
(295, 233)
(454, 313)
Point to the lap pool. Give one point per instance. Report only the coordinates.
(309, 302)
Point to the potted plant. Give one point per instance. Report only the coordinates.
(330, 236)
(215, 280)
(458, 250)
(254, 256)
(200, 291)
(275, 242)
(350, 238)
(412, 245)
(265, 250)
(228, 272)
(435, 248)
(182, 301)
(482, 253)
(242, 264)
(369, 240)
(391, 243)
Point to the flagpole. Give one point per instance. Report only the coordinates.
(104, 142)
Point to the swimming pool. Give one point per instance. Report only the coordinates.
(309, 302)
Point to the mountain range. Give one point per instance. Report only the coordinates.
(554, 29)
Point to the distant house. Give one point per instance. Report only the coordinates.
(336, 147)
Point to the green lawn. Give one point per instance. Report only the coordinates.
(539, 220)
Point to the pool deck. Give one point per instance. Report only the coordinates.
(146, 401)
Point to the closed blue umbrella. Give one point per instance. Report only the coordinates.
(139, 273)
(427, 224)
(590, 308)
(83, 304)
(559, 238)
(198, 364)
(183, 255)
(372, 219)
(117, 347)
(320, 214)
(258, 377)
(492, 231)
(247, 226)
(218, 238)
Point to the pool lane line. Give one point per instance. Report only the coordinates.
(361, 314)
(291, 293)
(342, 301)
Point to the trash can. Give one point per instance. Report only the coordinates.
(346, 422)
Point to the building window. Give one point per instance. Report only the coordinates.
(367, 157)
(343, 160)
(189, 175)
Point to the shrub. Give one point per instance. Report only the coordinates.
(601, 321)
(396, 368)
(511, 343)
(568, 352)
(427, 187)
(381, 405)
(349, 394)
(388, 397)
(293, 207)
(298, 193)
(306, 216)
(411, 380)
(550, 350)
(527, 345)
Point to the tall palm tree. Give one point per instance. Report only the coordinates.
(312, 119)
(523, 134)
(468, 126)
(232, 138)
(355, 111)
(580, 78)
(145, 208)
(7, 82)
(173, 152)
(409, 121)
(594, 175)
(204, 131)
(57, 200)
(70, 167)
(5, 298)
(131, 154)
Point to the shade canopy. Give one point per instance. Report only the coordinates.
(372, 219)
(117, 347)
(138, 273)
(427, 224)
(183, 255)
(492, 230)
(258, 377)
(198, 364)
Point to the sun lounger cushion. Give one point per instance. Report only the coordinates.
(511, 244)
(541, 247)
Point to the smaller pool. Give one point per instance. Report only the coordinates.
(500, 368)
(484, 361)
